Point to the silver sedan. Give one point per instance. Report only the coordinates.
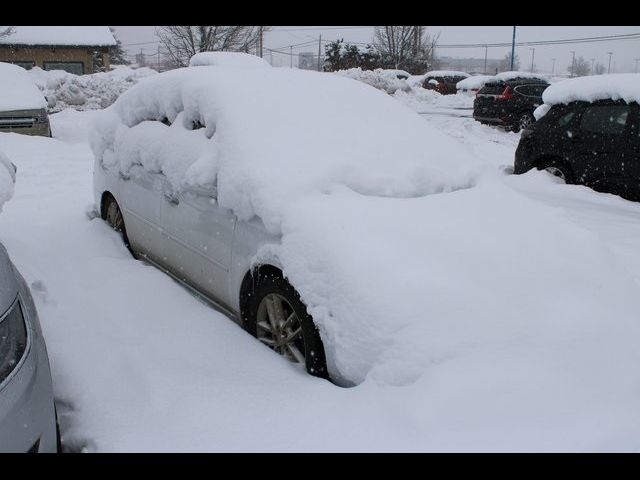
(27, 412)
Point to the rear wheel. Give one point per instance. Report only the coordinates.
(526, 120)
(275, 315)
(113, 216)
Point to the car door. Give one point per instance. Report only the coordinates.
(601, 145)
(140, 194)
(199, 237)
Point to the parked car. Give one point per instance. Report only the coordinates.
(593, 139)
(399, 74)
(443, 81)
(509, 100)
(197, 167)
(23, 107)
(28, 420)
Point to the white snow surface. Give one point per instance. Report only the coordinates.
(446, 73)
(17, 90)
(616, 86)
(228, 59)
(86, 92)
(379, 78)
(506, 76)
(71, 35)
(7, 179)
(526, 339)
(475, 82)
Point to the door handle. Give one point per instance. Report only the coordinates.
(172, 199)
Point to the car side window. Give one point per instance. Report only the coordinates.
(566, 118)
(605, 119)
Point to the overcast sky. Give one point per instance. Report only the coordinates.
(280, 37)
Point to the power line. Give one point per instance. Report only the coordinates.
(318, 28)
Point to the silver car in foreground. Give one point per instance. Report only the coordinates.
(27, 412)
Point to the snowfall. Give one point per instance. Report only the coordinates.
(501, 309)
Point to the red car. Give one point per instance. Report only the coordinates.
(443, 82)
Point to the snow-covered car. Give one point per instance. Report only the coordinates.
(473, 83)
(443, 81)
(27, 412)
(23, 108)
(208, 173)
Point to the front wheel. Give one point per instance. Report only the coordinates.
(525, 121)
(276, 316)
(113, 216)
(558, 169)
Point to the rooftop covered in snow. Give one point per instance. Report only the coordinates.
(617, 86)
(89, 36)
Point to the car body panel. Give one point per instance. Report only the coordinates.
(28, 122)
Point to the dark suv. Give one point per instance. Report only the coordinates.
(443, 84)
(509, 103)
(596, 144)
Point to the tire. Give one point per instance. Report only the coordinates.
(273, 300)
(523, 122)
(58, 436)
(558, 168)
(113, 216)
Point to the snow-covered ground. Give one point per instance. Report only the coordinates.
(140, 364)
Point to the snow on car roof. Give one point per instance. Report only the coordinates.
(507, 76)
(321, 128)
(99, 36)
(616, 86)
(7, 179)
(17, 90)
(227, 59)
(446, 73)
(474, 82)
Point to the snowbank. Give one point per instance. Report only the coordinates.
(86, 92)
(7, 179)
(617, 86)
(418, 98)
(228, 59)
(379, 78)
(17, 90)
(474, 83)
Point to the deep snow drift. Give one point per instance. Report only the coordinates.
(7, 179)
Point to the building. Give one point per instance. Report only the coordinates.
(470, 65)
(75, 49)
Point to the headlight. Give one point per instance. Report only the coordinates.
(13, 340)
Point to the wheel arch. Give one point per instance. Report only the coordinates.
(251, 277)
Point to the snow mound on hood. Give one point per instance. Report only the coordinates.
(17, 90)
(446, 73)
(618, 86)
(228, 59)
(7, 179)
(506, 76)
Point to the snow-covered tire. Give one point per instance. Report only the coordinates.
(112, 214)
(558, 168)
(271, 289)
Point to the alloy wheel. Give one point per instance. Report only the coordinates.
(279, 327)
(556, 172)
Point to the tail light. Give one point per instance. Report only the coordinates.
(506, 95)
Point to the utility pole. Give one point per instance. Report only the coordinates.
(592, 62)
(260, 39)
(513, 47)
(319, 47)
(158, 65)
(291, 54)
(553, 66)
(486, 48)
(609, 69)
(573, 62)
(533, 52)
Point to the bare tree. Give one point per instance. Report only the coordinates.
(580, 67)
(599, 69)
(6, 31)
(182, 42)
(405, 46)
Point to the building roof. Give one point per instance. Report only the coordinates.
(89, 36)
